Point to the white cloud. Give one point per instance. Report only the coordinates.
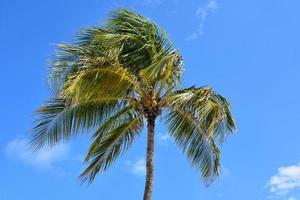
(285, 182)
(202, 12)
(225, 171)
(193, 36)
(18, 150)
(164, 137)
(138, 167)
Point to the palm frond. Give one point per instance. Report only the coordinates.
(71, 60)
(113, 122)
(165, 70)
(193, 141)
(109, 82)
(105, 151)
(210, 109)
(196, 118)
(58, 120)
(128, 40)
(151, 47)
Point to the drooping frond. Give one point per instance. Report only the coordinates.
(110, 142)
(210, 109)
(196, 118)
(58, 120)
(192, 140)
(112, 122)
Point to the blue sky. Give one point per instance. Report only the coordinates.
(247, 50)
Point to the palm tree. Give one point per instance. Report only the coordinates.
(115, 78)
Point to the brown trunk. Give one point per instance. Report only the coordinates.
(150, 159)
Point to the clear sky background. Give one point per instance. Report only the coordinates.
(247, 50)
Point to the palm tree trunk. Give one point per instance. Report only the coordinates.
(149, 159)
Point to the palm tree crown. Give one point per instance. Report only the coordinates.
(116, 77)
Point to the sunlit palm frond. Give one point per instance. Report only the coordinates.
(71, 60)
(99, 82)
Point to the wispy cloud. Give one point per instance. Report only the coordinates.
(202, 13)
(164, 137)
(18, 150)
(138, 167)
(285, 183)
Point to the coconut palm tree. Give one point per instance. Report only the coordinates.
(116, 78)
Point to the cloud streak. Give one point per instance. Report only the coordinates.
(18, 150)
(138, 167)
(202, 13)
(164, 137)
